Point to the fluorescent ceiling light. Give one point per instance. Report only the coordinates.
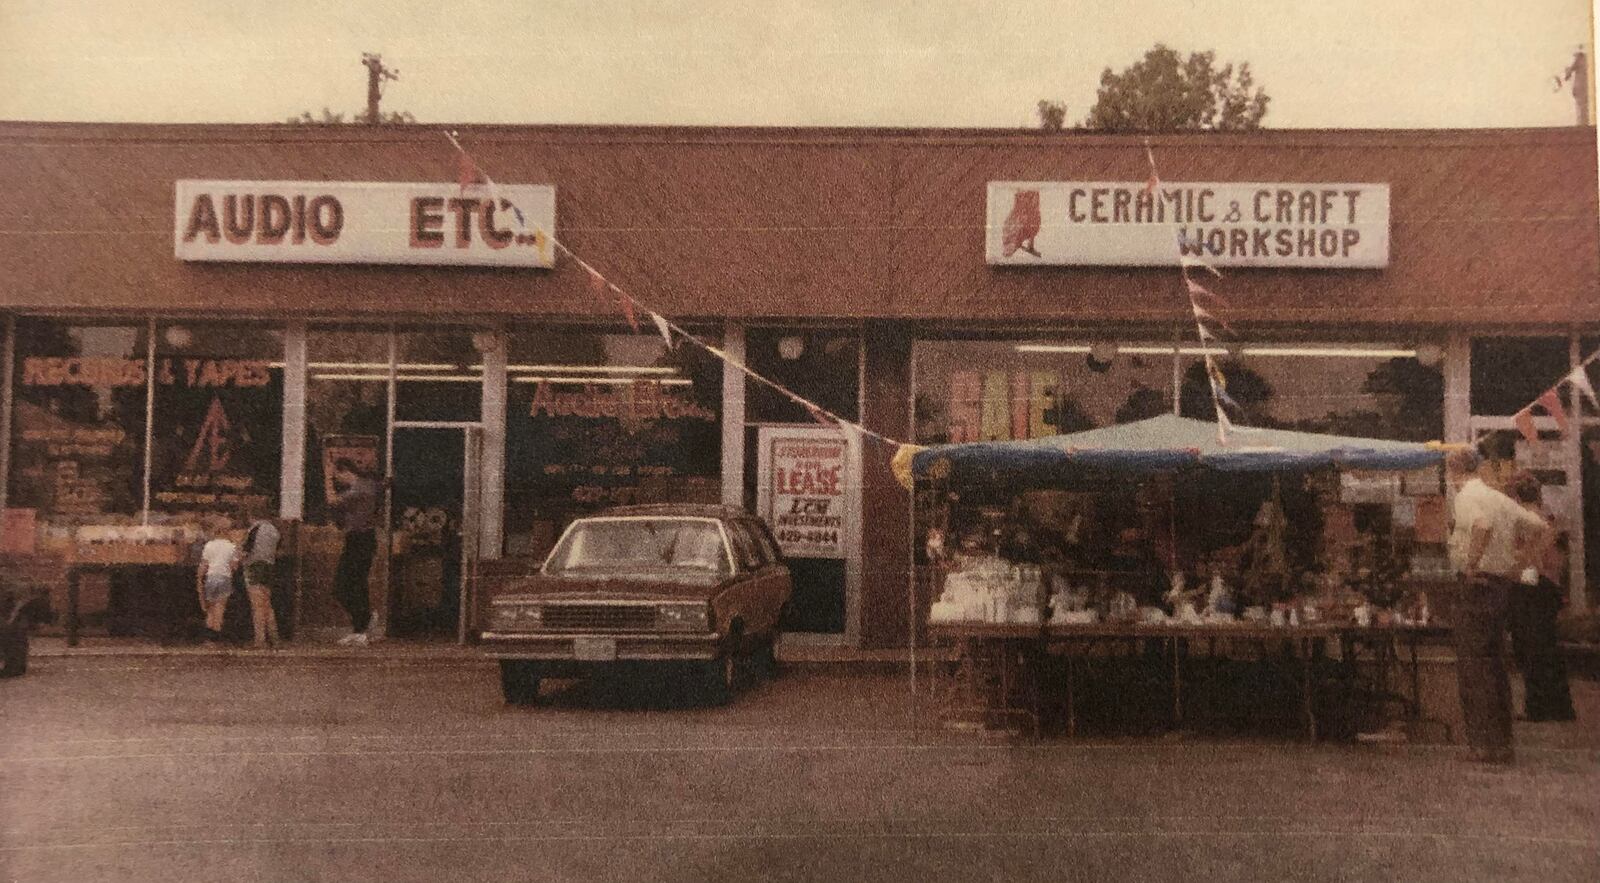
(591, 369)
(404, 378)
(1054, 348)
(382, 366)
(1329, 352)
(607, 381)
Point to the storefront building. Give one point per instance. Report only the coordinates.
(191, 333)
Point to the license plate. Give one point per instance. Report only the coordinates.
(594, 649)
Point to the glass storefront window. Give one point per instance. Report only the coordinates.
(439, 376)
(347, 406)
(1004, 390)
(596, 418)
(217, 448)
(824, 366)
(1508, 373)
(78, 426)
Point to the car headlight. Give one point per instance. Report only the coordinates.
(516, 616)
(684, 617)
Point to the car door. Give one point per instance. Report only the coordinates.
(771, 584)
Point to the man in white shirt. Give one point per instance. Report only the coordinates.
(1489, 559)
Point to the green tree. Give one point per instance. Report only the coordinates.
(1163, 92)
(1052, 115)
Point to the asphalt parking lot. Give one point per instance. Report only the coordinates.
(218, 768)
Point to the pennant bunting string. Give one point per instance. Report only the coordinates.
(667, 327)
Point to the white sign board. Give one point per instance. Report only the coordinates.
(1232, 224)
(363, 222)
(802, 493)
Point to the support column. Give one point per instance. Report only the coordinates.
(492, 490)
(1572, 453)
(1458, 387)
(887, 613)
(10, 355)
(733, 416)
(292, 468)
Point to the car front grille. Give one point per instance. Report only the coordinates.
(599, 617)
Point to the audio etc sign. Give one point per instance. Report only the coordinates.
(363, 222)
(1229, 224)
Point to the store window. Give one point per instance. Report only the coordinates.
(1006, 390)
(823, 366)
(597, 418)
(78, 426)
(347, 407)
(217, 449)
(439, 376)
(1508, 373)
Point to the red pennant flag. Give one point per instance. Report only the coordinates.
(1551, 403)
(467, 173)
(1201, 314)
(627, 310)
(1524, 423)
(1151, 185)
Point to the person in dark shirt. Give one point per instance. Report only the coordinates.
(356, 509)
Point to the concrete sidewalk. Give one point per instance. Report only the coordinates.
(393, 649)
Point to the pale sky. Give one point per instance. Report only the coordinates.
(1328, 63)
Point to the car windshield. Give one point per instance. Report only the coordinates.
(620, 544)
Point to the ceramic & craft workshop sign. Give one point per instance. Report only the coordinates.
(363, 222)
(1226, 224)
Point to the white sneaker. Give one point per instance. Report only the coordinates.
(358, 639)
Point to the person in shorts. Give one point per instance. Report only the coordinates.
(214, 581)
(260, 557)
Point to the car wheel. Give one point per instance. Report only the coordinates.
(13, 651)
(519, 682)
(767, 656)
(718, 679)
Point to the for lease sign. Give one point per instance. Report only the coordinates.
(802, 494)
(362, 222)
(1112, 223)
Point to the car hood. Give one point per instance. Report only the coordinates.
(618, 587)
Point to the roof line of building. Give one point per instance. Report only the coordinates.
(21, 131)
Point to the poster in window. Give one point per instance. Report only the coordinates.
(218, 437)
(802, 495)
(360, 450)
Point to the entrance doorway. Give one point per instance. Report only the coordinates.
(434, 519)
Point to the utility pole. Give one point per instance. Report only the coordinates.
(376, 75)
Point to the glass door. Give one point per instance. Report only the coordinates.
(434, 522)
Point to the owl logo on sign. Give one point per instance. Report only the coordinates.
(1022, 225)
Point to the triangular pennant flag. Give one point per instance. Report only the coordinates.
(597, 282)
(1551, 403)
(816, 412)
(467, 173)
(1224, 398)
(627, 309)
(1188, 260)
(1580, 378)
(1205, 333)
(1151, 185)
(852, 432)
(1218, 379)
(1201, 314)
(1223, 425)
(663, 327)
(1523, 420)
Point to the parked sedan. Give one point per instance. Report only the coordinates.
(698, 588)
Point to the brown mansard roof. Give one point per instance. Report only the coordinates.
(1487, 226)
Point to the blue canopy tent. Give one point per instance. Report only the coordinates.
(1168, 443)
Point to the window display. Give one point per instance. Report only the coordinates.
(597, 418)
